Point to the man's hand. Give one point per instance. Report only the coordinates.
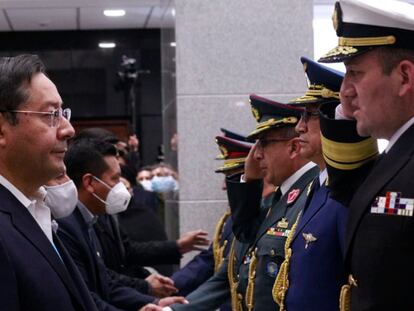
(150, 307)
(164, 303)
(192, 241)
(133, 142)
(171, 300)
(161, 286)
(252, 169)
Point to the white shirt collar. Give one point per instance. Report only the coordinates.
(285, 186)
(87, 216)
(398, 134)
(323, 176)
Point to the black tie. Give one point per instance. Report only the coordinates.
(277, 195)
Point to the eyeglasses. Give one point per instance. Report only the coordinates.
(54, 116)
(263, 143)
(307, 114)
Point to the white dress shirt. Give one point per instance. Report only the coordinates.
(398, 134)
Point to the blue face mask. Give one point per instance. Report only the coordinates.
(164, 184)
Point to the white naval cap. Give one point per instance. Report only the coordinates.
(365, 24)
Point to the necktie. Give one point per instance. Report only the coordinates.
(277, 195)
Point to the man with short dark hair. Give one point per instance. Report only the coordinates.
(36, 272)
(376, 44)
(94, 169)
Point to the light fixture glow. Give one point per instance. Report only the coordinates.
(173, 44)
(107, 45)
(114, 13)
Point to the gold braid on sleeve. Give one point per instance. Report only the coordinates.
(345, 298)
(281, 284)
(251, 280)
(218, 250)
(236, 303)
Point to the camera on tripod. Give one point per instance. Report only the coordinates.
(128, 72)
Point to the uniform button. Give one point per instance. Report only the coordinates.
(272, 253)
(352, 281)
(240, 296)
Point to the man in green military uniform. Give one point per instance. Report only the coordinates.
(276, 158)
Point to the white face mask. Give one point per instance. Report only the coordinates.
(117, 199)
(61, 199)
(146, 184)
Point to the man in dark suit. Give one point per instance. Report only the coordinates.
(376, 43)
(36, 271)
(94, 169)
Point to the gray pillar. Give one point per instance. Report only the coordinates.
(226, 50)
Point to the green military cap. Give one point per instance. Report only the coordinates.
(271, 114)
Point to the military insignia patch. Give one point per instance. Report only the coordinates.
(393, 204)
(224, 152)
(278, 231)
(309, 238)
(272, 269)
(293, 195)
(283, 223)
(256, 114)
(335, 19)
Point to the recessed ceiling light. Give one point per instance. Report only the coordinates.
(114, 13)
(107, 45)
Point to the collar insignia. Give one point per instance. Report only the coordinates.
(293, 195)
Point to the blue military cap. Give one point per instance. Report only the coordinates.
(233, 135)
(233, 152)
(362, 25)
(324, 84)
(271, 114)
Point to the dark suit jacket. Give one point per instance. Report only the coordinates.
(122, 254)
(32, 276)
(107, 292)
(142, 222)
(379, 248)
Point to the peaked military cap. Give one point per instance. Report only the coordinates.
(271, 114)
(362, 25)
(233, 135)
(324, 84)
(234, 153)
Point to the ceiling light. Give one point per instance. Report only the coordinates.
(114, 13)
(107, 45)
(173, 44)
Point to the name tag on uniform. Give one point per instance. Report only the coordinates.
(393, 204)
